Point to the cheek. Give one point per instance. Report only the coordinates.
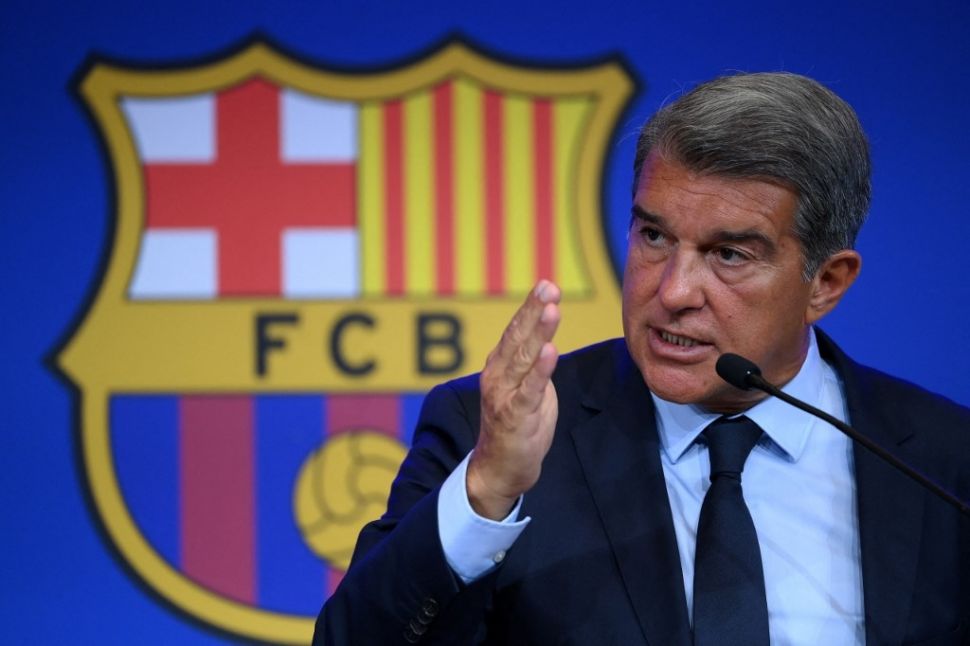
(639, 280)
(742, 313)
(629, 285)
(760, 314)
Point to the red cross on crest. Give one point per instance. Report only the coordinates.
(249, 194)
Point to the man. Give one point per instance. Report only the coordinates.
(570, 500)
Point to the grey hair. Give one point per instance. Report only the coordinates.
(778, 127)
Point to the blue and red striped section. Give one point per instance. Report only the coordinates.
(210, 480)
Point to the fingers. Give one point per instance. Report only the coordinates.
(533, 387)
(533, 325)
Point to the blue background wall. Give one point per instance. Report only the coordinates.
(905, 66)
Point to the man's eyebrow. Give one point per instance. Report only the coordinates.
(638, 213)
(751, 236)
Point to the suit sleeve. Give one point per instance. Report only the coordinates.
(399, 588)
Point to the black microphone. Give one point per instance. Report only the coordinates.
(737, 371)
(745, 374)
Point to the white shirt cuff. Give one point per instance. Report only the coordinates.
(472, 544)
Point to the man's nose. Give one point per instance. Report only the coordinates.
(682, 282)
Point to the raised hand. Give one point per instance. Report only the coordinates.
(519, 406)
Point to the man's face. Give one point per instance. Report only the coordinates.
(712, 267)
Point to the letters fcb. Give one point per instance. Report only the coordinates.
(435, 343)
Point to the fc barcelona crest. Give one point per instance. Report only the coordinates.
(298, 255)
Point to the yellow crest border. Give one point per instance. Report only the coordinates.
(107, 352)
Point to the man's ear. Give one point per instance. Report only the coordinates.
(831, 282)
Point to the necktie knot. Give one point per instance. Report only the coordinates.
(729, 442)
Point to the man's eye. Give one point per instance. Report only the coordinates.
(651, 234)
(730, 256)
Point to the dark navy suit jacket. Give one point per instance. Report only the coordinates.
(599, 564)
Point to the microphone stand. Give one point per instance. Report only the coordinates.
(757, 381)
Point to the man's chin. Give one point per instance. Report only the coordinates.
(711, 396)
(678, 396)
(697, 384)
(678, 385)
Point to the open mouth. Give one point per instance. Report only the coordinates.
(676, 339)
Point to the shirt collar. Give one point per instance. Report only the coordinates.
(787, 427)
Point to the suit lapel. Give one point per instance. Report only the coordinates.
(620, 456)
(890, 506)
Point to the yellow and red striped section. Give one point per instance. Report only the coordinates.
(469, 191)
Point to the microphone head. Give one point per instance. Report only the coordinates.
(737, 371)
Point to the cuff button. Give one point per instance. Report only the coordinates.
(417, 627)
(429, 607)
